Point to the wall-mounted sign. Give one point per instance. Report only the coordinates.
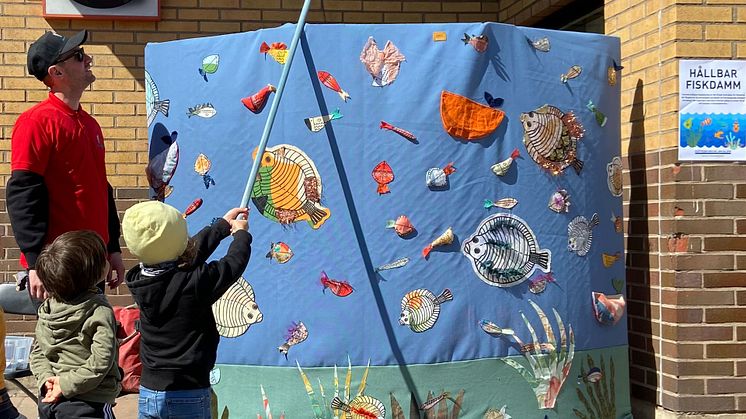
(102, 9)
(712, 108)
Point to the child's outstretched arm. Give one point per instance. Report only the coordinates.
(101, 326)
(209, 238)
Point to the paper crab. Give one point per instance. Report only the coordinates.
(550, 365)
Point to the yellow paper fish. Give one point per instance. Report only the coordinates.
(278, 51)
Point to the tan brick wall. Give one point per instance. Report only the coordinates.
(686, 268)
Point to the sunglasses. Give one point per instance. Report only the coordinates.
(79, 55)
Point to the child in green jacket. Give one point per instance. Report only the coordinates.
(74, 358)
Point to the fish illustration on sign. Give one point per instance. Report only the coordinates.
(404, 133)
(551, 138)
(280, 252)
(420, 309)
(382, 65)
(541, 44)
(153, 102)
(480, 43)
(361, 407)
(297, 333)
(572, 73)
(236, 310)
(401, 262)
(614, 176)
(503, 251)
(202, 166)
(256, 102)
(209, 65)
(288, 187)
(466, 119)
(505, 203)
(437, 178)
(278, 51)
(402, 226)
(205, 110)
(580, 234)
(162, 166)
(608, 309)
(501, 168)
(329, 81)
(316, 123)
(559, 202)
(383, 175)
(338, 288)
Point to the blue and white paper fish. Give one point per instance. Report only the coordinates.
(205, 110)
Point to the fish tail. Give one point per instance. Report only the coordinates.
(383, 188)
(449, 169)
(264, 48)
(269, 255)
(465, 38)
(426, 251)
(594, 220)
(316, 215)
(444, 296)
(515, 154)
(344, 95)
(336, 114)
(577, 164)
(284, 349)
(390, 224)
(540, 258)
(563, 78)
(386, 125)
(162, 106)
(337, 404)
(488, 204)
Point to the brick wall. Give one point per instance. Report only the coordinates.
(686, 266)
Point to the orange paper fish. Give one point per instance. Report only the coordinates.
(383, 175)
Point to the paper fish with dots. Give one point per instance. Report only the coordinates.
(551, 138)
(288, 187)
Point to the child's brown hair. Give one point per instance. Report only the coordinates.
(72, 264)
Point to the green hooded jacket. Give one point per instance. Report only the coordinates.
(77, 342)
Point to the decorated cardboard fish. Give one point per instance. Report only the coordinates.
(420, 309)
(297, 333)
(317, 123)
(278, 51)
(382, 65)
(209, 65)
(280, 252)
(383, 175)
(288, 187)
(608, 309)
(256, 102)
(480, 43)
(559, 202)
(466, 119)
(202, 166)
(236, 310)
(361, 407)
(501, 168)
(614, 176)
(205, 110)
(437, 178)
(580, 234)
(551, 138)
(153, 102)
(329, 81)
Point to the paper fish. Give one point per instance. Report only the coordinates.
(236, 310)
(618, 285)
(608, 309)
(466, 119)
(614, 176)
(612, 73)
(506, 203)
(329, 81)
(573, 72)
(194, 206)
(559, 202)
(600, 117)
(492, 101)
(437, 178)
(503, 251)
(617, 220)
(383, 175)
(541, 44)
(338, 288)
(209, 65)
(420, 309)
(609, 260)
(480, 43)
(382, 65)
(442, 240)
(161, 168)
(205, 110)
(593, 375)
(402, 226)
(256, 102)
(153, 102)
(404, 133)
(434, 400)
(361, 407)
(316, 123)
(501, 168)
(551, 138)
(393, 265)
(539, 284)
(280, 252)
(278, 51)
(493, 329)
(288, 187)
(296, 334)
(202, 166)
(580, 234)
(499, 414)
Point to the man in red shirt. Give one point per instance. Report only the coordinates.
(58, 175)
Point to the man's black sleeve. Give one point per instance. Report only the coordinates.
(27, 199)
(114, 229)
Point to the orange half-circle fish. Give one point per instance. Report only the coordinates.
(466, 119)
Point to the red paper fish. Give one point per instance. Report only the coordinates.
(256, 102)
(278, 51)
(338, 288)
(404, 133)
(192, 207)
(329, 81)
(402, 226)
(383, 175)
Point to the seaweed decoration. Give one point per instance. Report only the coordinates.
(439, 411)
(549, 365)
(601, 400)
(326, 412)
(214, 407)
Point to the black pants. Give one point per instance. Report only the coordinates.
(75, 409)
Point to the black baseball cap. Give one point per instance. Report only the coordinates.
(48, 48)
